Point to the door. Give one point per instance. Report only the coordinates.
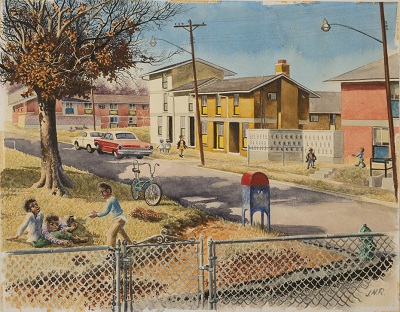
(192, 132)
(234, 137)
(170, 128)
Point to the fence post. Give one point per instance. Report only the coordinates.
(118, 273)
(125, 281)
(211, 270)
(201, 272)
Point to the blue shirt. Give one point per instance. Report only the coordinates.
(112, 207)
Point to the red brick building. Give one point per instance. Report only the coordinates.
(364, 116)
(110, 111)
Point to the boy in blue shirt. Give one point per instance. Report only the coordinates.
(360, 156)
(114, 209)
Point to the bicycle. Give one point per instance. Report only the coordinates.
(152, 191)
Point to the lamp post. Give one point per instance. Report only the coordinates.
(190, 27)
(326, 27)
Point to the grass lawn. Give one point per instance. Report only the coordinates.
(20, 171)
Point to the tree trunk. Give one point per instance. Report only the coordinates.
(52, 175)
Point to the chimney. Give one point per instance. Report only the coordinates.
(282, 68)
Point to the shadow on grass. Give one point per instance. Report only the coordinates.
(19, 178)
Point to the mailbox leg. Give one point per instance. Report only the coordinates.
(269, 222)
(262, 220)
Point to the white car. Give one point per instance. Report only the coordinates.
(86, 140)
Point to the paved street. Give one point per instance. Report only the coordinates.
(294, 210)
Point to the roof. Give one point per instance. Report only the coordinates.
(371, 72)
(246, 85)
(328, 103)
(112, 98)
(227, 72)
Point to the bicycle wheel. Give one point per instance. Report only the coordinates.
(135, 189)
(152, 194)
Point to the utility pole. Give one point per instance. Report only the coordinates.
(388, 100)
(190, 28)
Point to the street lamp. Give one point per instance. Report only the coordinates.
(153, 43)
(326, 27)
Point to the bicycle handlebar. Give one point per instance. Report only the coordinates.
(136, 163)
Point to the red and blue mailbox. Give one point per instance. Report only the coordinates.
(255, 196)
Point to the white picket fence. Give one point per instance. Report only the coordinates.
(274, 144)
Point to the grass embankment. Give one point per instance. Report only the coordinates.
(346, 179)
(20, 171)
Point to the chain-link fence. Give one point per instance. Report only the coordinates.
(165, 272)
(321, 271)
(72, 279)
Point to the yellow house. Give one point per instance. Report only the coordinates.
(231, 106)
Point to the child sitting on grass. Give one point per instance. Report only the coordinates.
(32, 223)
(56, 231)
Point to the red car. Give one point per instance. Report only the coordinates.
(122, 143)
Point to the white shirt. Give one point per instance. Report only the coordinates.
(33, 225)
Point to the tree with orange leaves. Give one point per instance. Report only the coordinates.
(57, 48)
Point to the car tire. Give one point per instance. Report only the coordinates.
(99, 150)
(116, 155)
(139, 157)
(89, 148)
(76, 145)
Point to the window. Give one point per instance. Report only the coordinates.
(132, 109)
(191, 100)
(236, 104)
(132, 121)
(204, 132)
(113, 121)
(165, 102)
(102, 106)
(219, 135)
(218, 104)
(272, 96)
(164, 81)
(88, 108)
(159, 125)
(204, 104)
(183, 125)
(380, 136)
(69, 109)
(314, 118)
(332, 119)
(245, 126)
(145, 107)
(127, 135)
(394, 96)
(113, 106)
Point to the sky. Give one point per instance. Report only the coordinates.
(249, 37)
